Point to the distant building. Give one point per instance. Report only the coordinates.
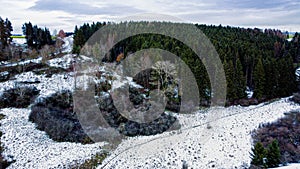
(61, 34)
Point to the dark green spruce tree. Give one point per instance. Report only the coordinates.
(230, 76)
(258, 155)
(273, 154)
(5, 32)
(259, 79)
(239, 80)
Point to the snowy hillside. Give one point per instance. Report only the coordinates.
(225, 144)
(210, 138)
(30, 147)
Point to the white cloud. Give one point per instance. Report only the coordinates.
(65, 14)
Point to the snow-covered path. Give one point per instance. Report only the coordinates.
(226, 143)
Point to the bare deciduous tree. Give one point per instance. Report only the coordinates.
(166, 72)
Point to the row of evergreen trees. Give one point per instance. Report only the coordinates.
(5, 32)
(36, 37)
(266, 59)
(82, 34)
(260, 60)
(5, 38)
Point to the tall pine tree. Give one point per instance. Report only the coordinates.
(239, 80)
(259, 79)
(273, 155)
(5, 32)
(258, 155)
(230, 77)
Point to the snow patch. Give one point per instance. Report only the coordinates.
(249, 92)
(47, 86)
(68, 44)
(85, 58)
(297, 73)
(10, 64)
(63, 62)
(19, 41)
(290, 166)
(5, 73)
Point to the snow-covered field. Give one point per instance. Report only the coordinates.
(224, 143)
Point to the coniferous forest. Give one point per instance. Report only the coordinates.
(259, 60)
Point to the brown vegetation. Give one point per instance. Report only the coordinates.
(287, 131)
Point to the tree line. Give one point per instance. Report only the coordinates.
(5, 32)
(36, 37)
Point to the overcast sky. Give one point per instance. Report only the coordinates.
(63, 14)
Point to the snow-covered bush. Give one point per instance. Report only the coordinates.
(56, 117)
(19, 97)
(126, 126)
